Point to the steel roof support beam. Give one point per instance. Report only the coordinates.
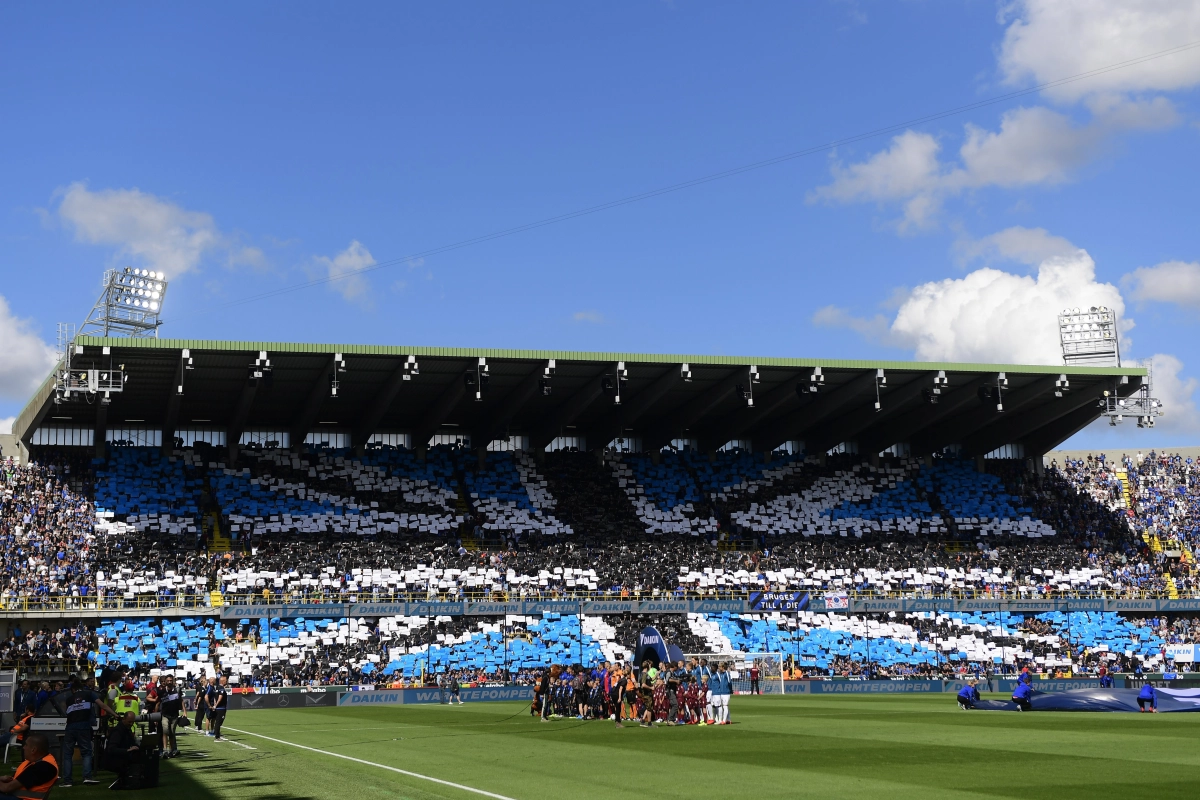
(566, 413)
(439, 410)
(496, 423)
(1017, 428)
(628, 413)
(848, 426)
(171, 418)
(101, 429)
(742, 420)
(909, 425)
(676, 423)
(241, 413)
(1046, 438)
(303, 422)
(810, 415)
(368, 419)
(971, 423)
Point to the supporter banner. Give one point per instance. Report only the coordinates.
(291, 700)
(404, 697)
(778, 601)
(836, 601)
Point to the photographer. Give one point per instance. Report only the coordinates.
(172, 707)
(122, 751)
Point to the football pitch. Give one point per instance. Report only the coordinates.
(803, 746)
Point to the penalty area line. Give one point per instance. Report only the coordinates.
(380, 766)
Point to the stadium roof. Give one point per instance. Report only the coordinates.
(658, 403)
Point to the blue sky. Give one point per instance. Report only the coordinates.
(246, 149)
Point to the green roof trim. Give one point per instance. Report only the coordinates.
(569, 355)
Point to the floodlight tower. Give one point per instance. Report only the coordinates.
(129, 304)
(1089, 338)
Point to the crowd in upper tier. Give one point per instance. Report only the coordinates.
(324, 525)
(120, 528)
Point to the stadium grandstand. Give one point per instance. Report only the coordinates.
(304, 515)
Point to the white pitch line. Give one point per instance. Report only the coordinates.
(380, 766)
(239, 744)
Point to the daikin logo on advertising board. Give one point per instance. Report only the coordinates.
(664, 606)
(1133, 605)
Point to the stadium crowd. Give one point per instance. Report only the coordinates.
(606, 541)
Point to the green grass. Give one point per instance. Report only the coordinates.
(804, 746)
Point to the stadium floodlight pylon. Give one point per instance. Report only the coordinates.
(129, 304)
(770, 667)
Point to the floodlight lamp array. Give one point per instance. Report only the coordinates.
(139, 288)
(1089, 336)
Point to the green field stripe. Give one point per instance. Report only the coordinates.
(1024, 733)
(874, 747)
(364, 762)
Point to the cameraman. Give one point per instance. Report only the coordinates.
(122, 750)
(171, 699)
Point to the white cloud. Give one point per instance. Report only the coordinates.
(1033, 147)
(990, 315)
(1025, 245)
(1175, 282)
(1038, 146)
(345, 271)
(588, 316)
(1051, 39)
(907, 170)
(25, 360)
(6, 424)
(156, 232)
(876, 328)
